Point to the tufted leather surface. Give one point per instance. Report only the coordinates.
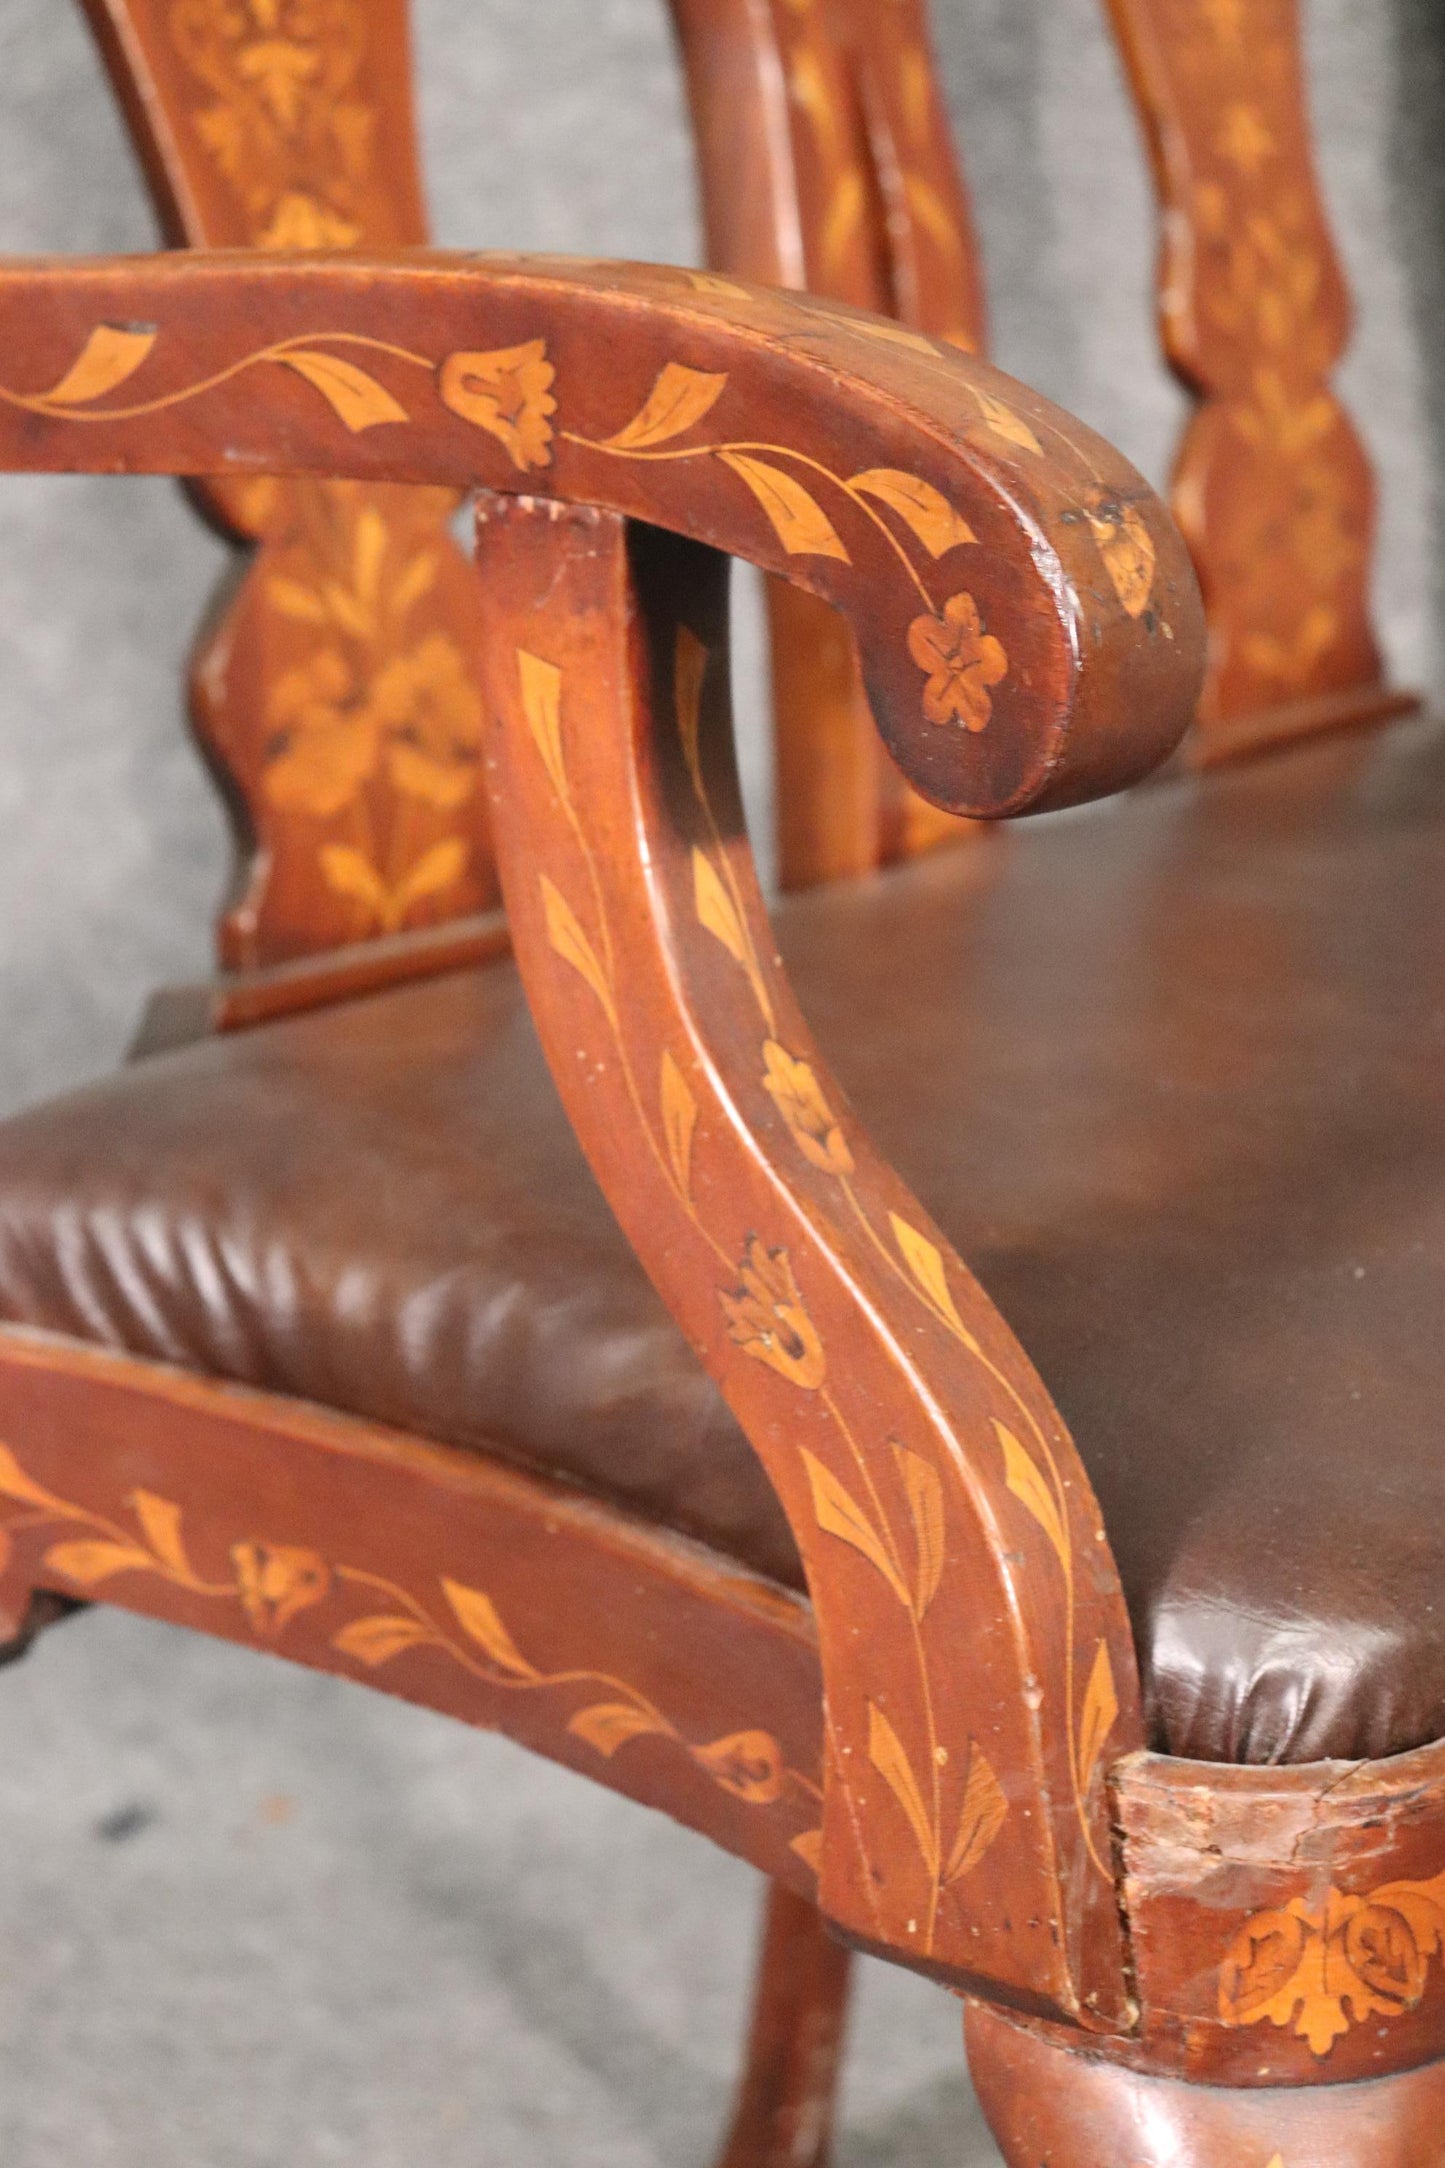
(1169, 1071)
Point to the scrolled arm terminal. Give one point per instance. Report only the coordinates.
(1029, 624)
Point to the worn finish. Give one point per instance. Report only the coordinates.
(1286, 1925)
(337, 690)
(913, 1795)
(1244, 1358)
(1215, 1217)
(1065, 2110)
(1272, 486)
(827, 165)
(1031, 637)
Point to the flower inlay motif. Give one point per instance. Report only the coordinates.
(1321, 1968)
(766, 1318)
(962, 662)
(795, 1092)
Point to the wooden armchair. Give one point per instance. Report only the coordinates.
(376, 1207)
(320, 1337)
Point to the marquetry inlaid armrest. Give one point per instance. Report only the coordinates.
(1030, 634)
(1028, 622)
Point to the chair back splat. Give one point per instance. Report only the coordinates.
(338, 690)
(1272, 486)
(826, 164)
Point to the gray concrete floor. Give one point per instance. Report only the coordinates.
(254, 1918)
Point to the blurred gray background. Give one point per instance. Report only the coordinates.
(251, 1917)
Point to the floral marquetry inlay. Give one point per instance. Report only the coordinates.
(953, 1816)
(798, 1097)
(363, 761)
(766, 1317)
(286, 125)
(962, 661)
(1320, 1968)
(284, 119)
(1272, 488)
(509, 394)
(274, 1584)
(328, 735)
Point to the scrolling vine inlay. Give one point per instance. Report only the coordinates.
(508, 393)
(275, 1583)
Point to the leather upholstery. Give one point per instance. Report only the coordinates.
(1168, 1070)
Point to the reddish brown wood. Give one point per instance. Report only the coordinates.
(1026, 614)
(338, 690)
(974, 1656)
(827, 165)
(934, 277)
(970, 1626)
(966, 1530)
(281, 126)
(177, 1015)
(1272, 486)
(1287, 1925)
(784, 2114)
(1051, 2107)
(443, 1577)
(1259, 730)
(339, 695)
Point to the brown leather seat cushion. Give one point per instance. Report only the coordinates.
(1171, 1072)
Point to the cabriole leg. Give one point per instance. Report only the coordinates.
(784, 2115)
(1052, 2107)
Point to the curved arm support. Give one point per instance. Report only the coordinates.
(1031, 634)
(1028, 622)
(978, 1672)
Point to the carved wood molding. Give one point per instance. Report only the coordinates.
(1272, 486)
(338, 691)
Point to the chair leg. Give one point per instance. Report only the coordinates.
(1055, 2106)
(784, 2113)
